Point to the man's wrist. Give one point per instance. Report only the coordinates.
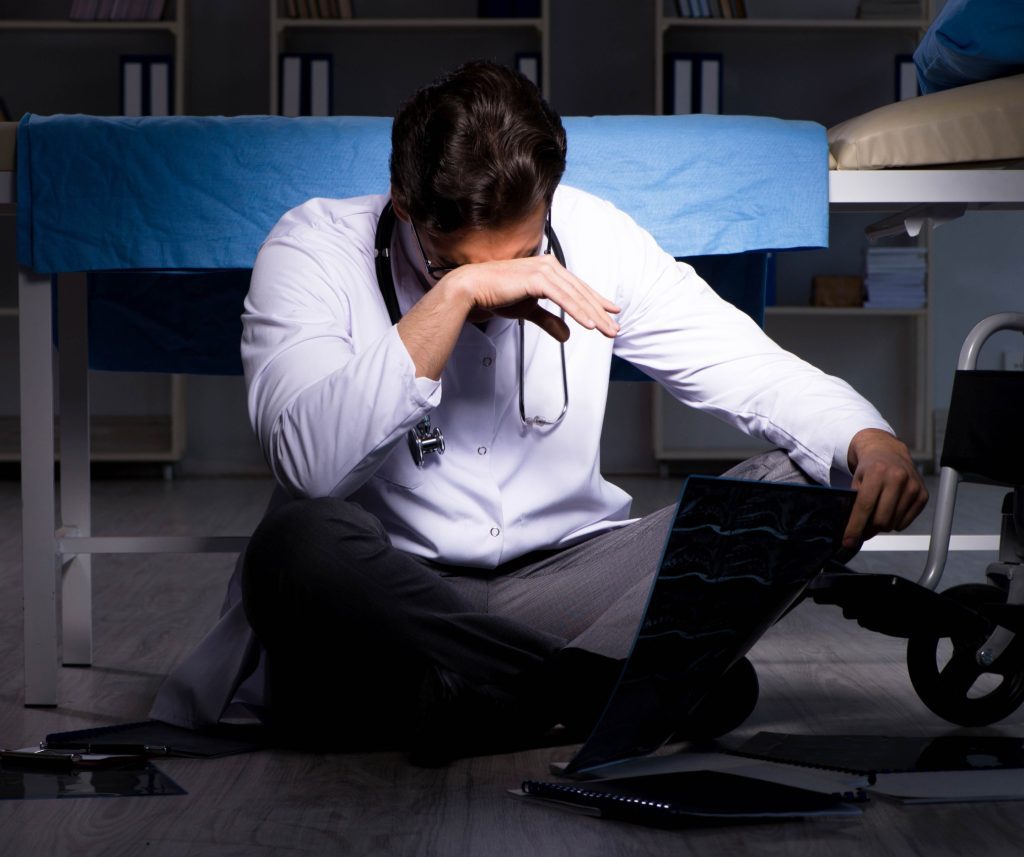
(863, 440)
(455, 293)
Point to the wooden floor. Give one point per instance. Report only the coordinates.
(819, 674)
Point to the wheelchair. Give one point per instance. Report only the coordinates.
(965, 645)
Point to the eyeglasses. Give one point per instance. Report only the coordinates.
(435, 271)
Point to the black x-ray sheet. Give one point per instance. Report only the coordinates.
(739, 553)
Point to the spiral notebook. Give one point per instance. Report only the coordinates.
(689, 798)
(738, 555)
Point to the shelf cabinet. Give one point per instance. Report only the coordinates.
(86, 79)
(365, 78)
(52, 64)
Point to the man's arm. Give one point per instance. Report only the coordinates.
(890, 491)
(509, 288)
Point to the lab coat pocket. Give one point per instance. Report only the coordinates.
(399, 469)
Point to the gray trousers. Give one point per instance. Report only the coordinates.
(592, 596)
(349, 622)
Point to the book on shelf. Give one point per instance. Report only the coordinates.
(324, 9)
(710, 9)
(135, 10)
(147, 85)
(117, 10)
(83, 10)
(528, 64)
(906, 78)
(944, 769)
(509, 8)
(693, 83)
(895, 277)
(307, 85)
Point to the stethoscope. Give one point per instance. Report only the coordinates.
(425, 439)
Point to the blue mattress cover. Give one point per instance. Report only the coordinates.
(115, 193)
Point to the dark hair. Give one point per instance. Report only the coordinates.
(478, 148)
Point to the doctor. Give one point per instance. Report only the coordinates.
(427, 373)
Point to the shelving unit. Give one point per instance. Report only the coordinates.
(173, 25)
(138, 437)
(665, 23)
(324, 33)
(884, 354)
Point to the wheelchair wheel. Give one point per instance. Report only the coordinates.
(952, 683)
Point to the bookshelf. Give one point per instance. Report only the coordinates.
(138, 418)
(364, 79)
(767, 64)
(56, 31)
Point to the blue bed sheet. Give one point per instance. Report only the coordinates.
(188, 192)
(141, 202)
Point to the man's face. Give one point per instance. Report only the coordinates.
(470, 246)
(444, 253)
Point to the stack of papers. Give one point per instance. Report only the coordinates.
(945, 769)
(895, 277)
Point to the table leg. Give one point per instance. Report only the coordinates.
(39, 556)
(75, 500)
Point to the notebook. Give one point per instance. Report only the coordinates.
(688, 798)
(738, 555)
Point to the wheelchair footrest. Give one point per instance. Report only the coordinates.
(899, 607)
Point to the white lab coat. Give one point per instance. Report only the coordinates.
(333, 393)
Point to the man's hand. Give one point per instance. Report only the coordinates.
(890, 491)
(512, 288)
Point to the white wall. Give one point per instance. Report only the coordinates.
(978, 270)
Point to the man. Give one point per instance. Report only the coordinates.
(451, 600)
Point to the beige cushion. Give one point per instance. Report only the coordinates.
(979, 122)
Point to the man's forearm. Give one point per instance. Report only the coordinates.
(431, 328)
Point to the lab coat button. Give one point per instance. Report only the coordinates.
(487, 361)
(481, 450)
(495, 531)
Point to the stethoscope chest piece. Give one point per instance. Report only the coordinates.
(424, 440)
